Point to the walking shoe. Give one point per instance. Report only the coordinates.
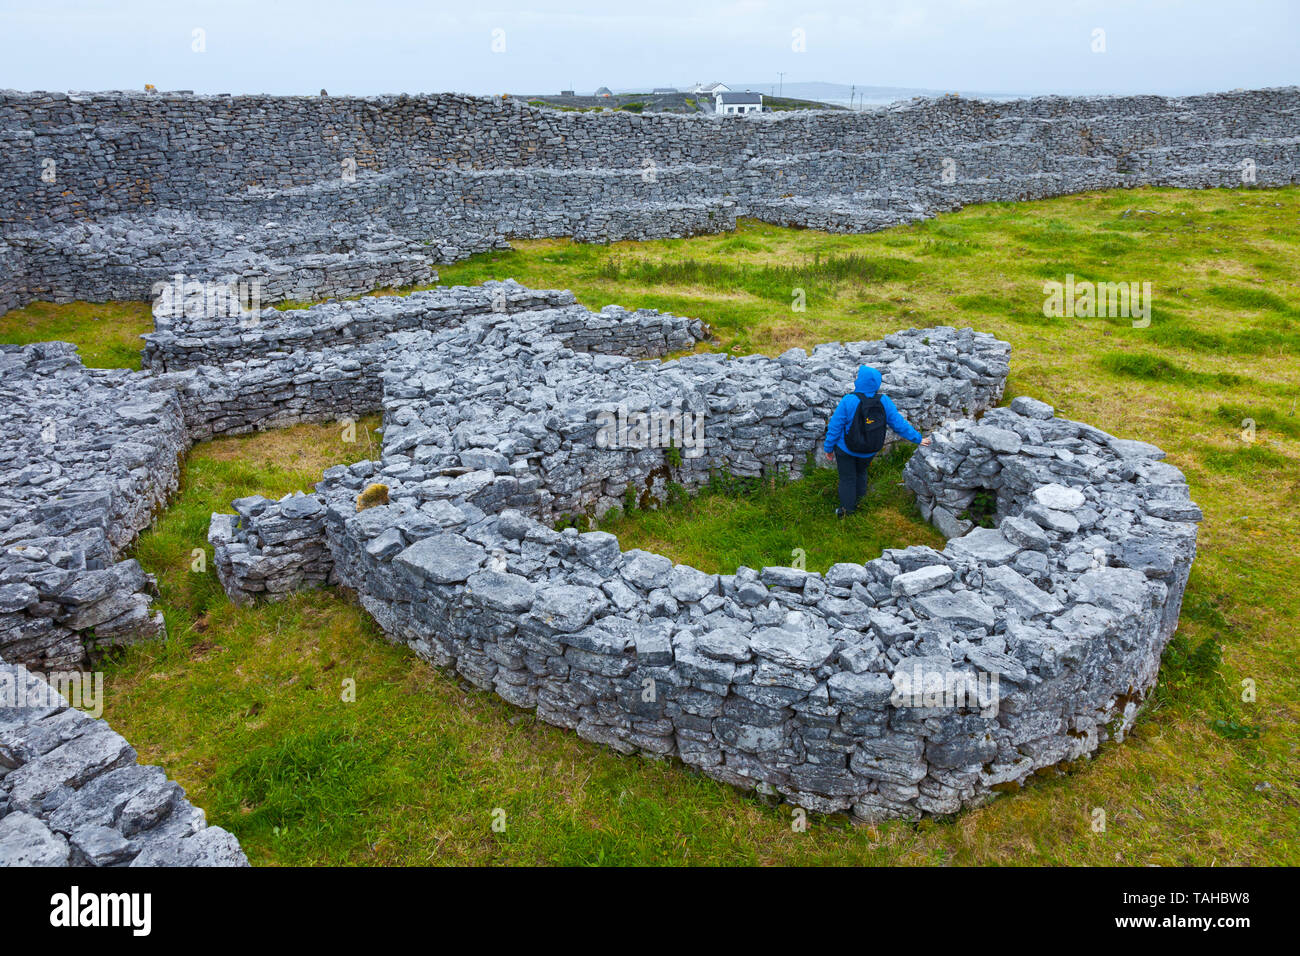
(840, 512)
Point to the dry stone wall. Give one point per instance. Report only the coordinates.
(920, 681)
(89, 455)
(323, 196)
(86, 459)
(72, 793)
(190, 337)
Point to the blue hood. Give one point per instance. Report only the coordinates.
(868, 381)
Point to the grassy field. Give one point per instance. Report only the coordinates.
(107, 334)
(245, 707)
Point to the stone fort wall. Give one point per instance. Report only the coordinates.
(105, 194)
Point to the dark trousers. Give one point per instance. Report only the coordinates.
(853, 479)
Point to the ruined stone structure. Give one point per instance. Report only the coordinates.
(497, 421)
(88, 456)
(914, 682)
(835, 690)
(106, 195)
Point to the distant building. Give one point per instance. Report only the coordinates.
(709, 89)
(566, 92)
(664, 90)
(604, 91)
(733, 104)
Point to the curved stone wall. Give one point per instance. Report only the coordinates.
(320, 196)
(915, 682)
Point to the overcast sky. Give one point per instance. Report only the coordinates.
(391, 46)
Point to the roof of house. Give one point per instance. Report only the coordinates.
(737, 99)
(711, 88)
(603, 91)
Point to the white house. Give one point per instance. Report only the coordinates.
(733, 104)
(709, 89)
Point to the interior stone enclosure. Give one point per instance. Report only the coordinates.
(104, 195)
(915, 682)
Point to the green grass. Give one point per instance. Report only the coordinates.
(756, 524)
(244, 708)
(107, 334)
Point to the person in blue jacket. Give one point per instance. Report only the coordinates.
(853, 467)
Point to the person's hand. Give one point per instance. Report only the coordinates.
(925, 440)
(830, 455)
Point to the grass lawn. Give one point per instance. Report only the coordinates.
(246, 708)
(107, 334)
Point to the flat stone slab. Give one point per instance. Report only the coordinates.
(442, 559)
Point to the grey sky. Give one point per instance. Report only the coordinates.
(390, 46)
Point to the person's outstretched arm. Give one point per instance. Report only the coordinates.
(900, 424)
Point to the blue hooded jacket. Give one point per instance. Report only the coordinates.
(868, 383)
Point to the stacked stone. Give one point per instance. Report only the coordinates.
(13, 279)
(275, 391)
(642, 333)
(72, 793)
(184, 341)
(147, 185)
(788, 679)
(85, 461)
(1049, 627)
(89, 456)
(510, 418)
(269, 549)
(279, 387)
(776, 677)
(57, 609)
(127, 257)
(1045, 630)
(1065, 491)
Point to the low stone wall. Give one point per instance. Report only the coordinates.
(920, 681)
(508, 421)
(72, 793)
(13, 279)
(92, 454)
(271, 548)
(127, 257)
(85, 461)
(188, 340)
(916, 682)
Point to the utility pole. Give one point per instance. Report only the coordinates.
(782, 79)
(853, 89)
